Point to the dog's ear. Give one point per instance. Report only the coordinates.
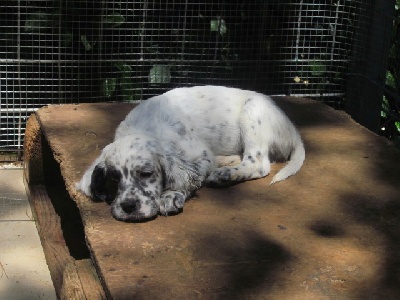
(84, 185)
(174, 172)
(104, 183)
(97, 183)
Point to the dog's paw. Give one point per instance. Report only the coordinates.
(171, 203)
(219, 178)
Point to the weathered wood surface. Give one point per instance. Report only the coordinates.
(72, 278)
(80, 282)
(331, 231)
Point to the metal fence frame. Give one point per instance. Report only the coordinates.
(59, 51)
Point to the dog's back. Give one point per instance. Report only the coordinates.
(223, 118)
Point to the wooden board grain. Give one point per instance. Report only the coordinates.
(80, 281)
(51, 234)
(72, 279)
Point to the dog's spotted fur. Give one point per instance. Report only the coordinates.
(170, 145)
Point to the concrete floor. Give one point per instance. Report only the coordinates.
(23, 270)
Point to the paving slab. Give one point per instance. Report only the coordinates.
(329, 232)
(24, 273)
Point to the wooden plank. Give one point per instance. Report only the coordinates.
(72, 287)
(328, 232)
(64, 269)
(80, 281)
(33, 157)
(89, 279)
(51, 235)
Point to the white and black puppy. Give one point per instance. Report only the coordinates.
(166, 149)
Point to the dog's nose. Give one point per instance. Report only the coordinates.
(130, 205)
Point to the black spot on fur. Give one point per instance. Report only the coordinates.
(179, 128)
(151, 145)
(251, 158)
(105, 183)
(259, 122)
(125, 171)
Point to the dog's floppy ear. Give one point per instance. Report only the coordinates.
(104, 183)
(174, 172)
(97, 182)
(84, 185)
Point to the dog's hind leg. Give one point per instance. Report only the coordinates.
(255, 161)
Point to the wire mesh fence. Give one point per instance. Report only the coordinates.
(72, 51)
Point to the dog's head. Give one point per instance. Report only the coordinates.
(129, 176)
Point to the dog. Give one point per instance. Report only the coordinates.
(170, 145)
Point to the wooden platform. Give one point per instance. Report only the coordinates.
(330, 232)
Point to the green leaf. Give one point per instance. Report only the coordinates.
(160, 74)
(390, 81)
(218, 25)
(317, 68)
(114, 19)
(66, 39)
(38, 21)
(86, 43)
(397, 124)
(125, 82)
(123, 67)
(385, 107)
(108, 86)
(127, 91)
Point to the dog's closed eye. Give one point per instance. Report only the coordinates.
(144, 174)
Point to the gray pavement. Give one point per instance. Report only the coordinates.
(24, 273)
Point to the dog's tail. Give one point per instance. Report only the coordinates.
(296, 161)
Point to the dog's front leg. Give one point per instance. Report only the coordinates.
(171, 202)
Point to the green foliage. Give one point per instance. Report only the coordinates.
(114, 19)
(38, 22)
(318, 68)
(86, 43)
(218, 25)
(125, 82)
(127, 88)
(108, 87)
(390, 112)
(55, 18)
(385, 107)
(159, 74)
